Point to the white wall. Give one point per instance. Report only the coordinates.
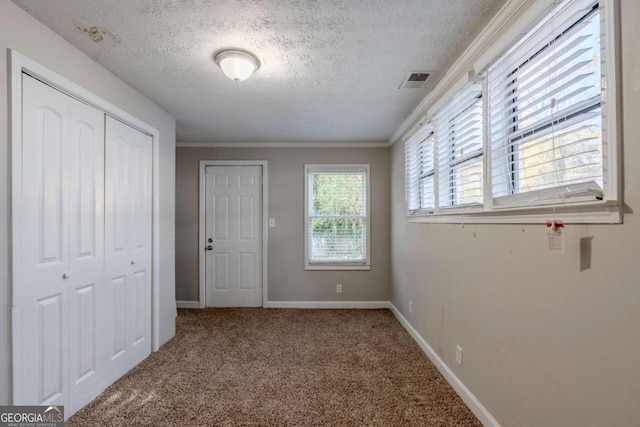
(19, 31)
(545, 344)
(288, 281)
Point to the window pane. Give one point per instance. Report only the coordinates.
(564, 77)
(569, 156)
(468, 177)
(337, 214)
(546, 115)
(426, 193)
(337, 194)
(337, 239)
(420, 170)
(426, 155)
(459, 135)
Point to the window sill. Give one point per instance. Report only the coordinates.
(601, 213)
(342, 267)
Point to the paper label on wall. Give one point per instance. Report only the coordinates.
(555, 237)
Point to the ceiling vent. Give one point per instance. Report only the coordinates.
(415, 80)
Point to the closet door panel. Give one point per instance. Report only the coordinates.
(43, 242)
(84, 154)
(117, 223)
(140, 195)
(117, 205)
(140, 298)
(86, 163)
(84, 333)
(50, 339)
(128, 244)
(117, 314)
(42, 293)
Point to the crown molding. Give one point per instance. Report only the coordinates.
(306, 144)
(463, 64)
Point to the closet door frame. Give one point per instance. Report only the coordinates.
(19, 64)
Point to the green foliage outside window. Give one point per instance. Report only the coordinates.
(337, 216)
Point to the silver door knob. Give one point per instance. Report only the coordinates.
(65, 275)
(209, 248)
(132, 262)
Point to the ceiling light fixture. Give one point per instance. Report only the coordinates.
(236, 64)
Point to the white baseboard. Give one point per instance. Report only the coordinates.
(306, 304)
(328, 304)
(188, 304)
(469, 399)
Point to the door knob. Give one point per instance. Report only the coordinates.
(210, 240)
(209, 248)
(65, 275)
(132, 262)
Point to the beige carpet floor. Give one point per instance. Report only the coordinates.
(256, 367)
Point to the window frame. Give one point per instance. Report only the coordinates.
(566, 118)
(449, 142)
(338, 168)
(420, 141)
(424, 173)
(588, 210)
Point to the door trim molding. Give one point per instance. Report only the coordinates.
(202, 297)
(19, 64)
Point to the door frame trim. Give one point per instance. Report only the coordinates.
(19, 64)
(202, 288)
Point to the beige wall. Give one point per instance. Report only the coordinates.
(544, 343)
(288, 281)
(21, 32)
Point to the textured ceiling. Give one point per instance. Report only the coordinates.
(330, 68)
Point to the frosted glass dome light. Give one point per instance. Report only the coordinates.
(237, 65)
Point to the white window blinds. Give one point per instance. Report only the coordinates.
(538, 130)
(420, 170)
(459, 146)
(337, 213)
(545, 111)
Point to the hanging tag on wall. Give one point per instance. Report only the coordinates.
(555, 237)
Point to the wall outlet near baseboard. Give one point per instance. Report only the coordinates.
(459, 355)
(410, 307)
(338, 288)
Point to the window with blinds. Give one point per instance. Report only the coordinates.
(420, 170)
(458, 130)
(337, 215)
(545, 111)
(536, 137)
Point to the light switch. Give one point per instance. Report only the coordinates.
(272, 223)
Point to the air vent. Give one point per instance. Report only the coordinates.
(415, 80)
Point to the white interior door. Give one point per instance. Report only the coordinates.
(85, 169)
(60, 286)
(233, 236)
(128, 219)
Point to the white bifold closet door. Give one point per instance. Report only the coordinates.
(82, 292)
(127, 246)
(60, 289)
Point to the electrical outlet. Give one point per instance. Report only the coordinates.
(459, 355)
(338, 288)
(410, 307)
